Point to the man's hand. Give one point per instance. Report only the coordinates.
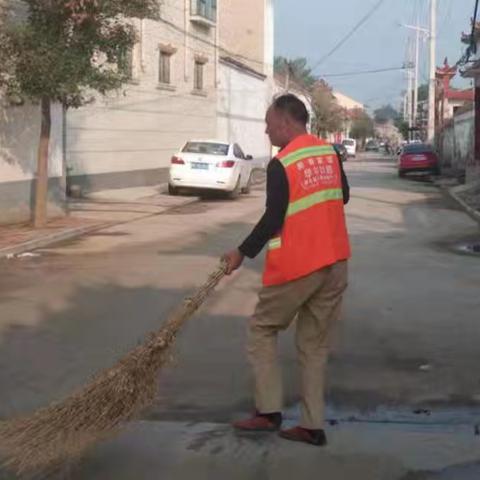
(234, 260)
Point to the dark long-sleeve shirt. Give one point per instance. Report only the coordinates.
(278, 196)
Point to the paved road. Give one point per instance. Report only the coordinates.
(408, 341)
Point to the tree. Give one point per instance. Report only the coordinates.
(328, 115)
(385, 114)
(297, 71)
(423, 92)
(403, 127)
(65, 51)
(362, 125)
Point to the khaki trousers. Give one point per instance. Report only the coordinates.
(315, 301)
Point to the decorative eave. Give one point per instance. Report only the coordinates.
(467, 37)
(201, 58)
(446, 70)
(472, 71)
(169, 49)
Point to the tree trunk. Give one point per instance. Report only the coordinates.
(41, 183)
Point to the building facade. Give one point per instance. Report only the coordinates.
(448, 99)
(246, 86)
(127, 139)
(473, 71)
(203, 71)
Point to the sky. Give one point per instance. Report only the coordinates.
(311, 28)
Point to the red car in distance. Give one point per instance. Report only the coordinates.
(418, 158)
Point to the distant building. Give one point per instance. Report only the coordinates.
(349, 106)
(346, 102)
(449, 99)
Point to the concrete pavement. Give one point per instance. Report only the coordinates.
(402, 385)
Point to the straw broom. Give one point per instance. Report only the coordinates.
(48, 438)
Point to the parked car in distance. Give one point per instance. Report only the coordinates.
(351, 145)
(372, 146)
(418, 158)
(211, 165)
(341, 151)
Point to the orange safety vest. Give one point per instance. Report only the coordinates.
(314, 234)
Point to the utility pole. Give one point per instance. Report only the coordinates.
(432, 84)
(414, 63)
(409, 99)
(415, 83)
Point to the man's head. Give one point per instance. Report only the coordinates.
(286, 119)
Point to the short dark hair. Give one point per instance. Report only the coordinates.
(292, 106)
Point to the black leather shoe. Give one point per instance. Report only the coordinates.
(305, 435)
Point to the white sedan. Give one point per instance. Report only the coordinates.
(211, 165)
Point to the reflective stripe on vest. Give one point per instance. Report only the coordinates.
(314, 199)
(308, 152)
(275, 243)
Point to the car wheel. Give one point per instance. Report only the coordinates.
(436, 172)
(236, 191)
(401, 174)
(248, 187)
(172, 190)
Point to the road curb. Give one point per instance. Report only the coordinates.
(72, 233)
(452, 192)
(47, 240)
(69, 234)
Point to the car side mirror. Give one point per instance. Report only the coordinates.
(248, 157)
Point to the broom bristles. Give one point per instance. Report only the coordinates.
(63, 431)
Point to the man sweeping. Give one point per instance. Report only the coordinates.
(305, 272)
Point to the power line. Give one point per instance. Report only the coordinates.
(363, 20)
(364, 72)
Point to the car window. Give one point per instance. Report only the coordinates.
(417, 148)
(350, 143)
(208, 148)
(237, 151)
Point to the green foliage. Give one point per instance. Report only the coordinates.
(66, 50)
(423, 92)
(328, 116)
(300, 72)
(362, 125)
(385, 114)
(402, 126)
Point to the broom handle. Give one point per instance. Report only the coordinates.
(191, 304)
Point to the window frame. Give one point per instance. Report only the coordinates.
(199, 75)
(165, 67)
(236, 147)
(205, 8)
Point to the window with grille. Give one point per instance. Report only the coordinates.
(198, 75)
(164, 75)
(205, 8)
